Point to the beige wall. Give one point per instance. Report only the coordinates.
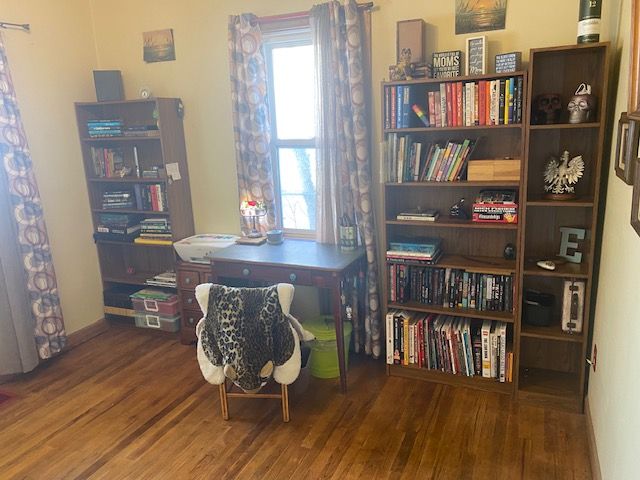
(51, 68)
(614, 391)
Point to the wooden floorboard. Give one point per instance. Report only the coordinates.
(130, 404)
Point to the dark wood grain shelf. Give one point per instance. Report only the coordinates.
(468, 78)
(452, 129)
(565, 126)
(460, 184)
(563, 270)
(474, 264)
(458, 312)
(131, 244)
(121, 139)
(549, 382)
(543, 202)
(139, 278)
(552, 332)
(455, 223)
(121, 210)
(415, 372)
(127, 180)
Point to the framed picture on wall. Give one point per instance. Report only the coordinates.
(627, 148)
(477, 55)
(410, 35)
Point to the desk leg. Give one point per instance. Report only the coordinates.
(337, 316)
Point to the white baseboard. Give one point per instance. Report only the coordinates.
(596, 473)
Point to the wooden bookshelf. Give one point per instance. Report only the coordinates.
(128, 263)
(470, 246)
(552, 363)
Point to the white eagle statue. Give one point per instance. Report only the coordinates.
(560, 177)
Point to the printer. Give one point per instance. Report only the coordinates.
(199, 248)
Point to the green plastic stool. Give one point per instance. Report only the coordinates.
(323, 362)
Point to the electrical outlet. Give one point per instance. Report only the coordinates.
(594, 358)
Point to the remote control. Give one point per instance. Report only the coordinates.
(546, 264)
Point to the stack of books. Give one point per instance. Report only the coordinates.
(104, 128)
(411, 161)
(155, 231)
(107, 162)
(496, 206)
(419, 251)
(117, 199)
(455, 345)
(166, 279)
(420, 215)
(140, 131)
(117, 227)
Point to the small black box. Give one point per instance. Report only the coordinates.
(108, 85)
(538, 308)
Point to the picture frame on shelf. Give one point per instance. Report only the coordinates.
(626, 145)
(410, 35)
(476, 58)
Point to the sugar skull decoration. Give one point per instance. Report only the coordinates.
(547, 108)
(582, 106)
(560, 176)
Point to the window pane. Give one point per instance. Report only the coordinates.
(293, 88)
(298, 187)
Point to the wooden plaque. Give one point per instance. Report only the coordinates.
(477, 55)
(410, 34)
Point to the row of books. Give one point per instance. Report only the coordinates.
(454, 104)
(448, 287)
(155, 231)
(104, 128)
(107, 162)
(459, 346)
(408, 160)
(150, 198)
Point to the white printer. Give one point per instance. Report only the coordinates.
(199, 248)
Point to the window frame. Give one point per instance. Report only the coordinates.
(293, 37)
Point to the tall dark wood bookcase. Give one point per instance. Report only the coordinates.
(552, 363)
(128, 263)
(474, 247)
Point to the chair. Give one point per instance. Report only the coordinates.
(245, 340)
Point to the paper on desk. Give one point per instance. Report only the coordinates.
(173, 171)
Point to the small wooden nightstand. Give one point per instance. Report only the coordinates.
(189, 275)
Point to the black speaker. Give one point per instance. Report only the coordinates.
(108, 85)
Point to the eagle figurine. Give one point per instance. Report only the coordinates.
(561, 176)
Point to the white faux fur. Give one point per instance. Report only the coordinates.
(287, 373)
(213, 374)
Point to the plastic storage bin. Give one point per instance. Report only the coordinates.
(323, 362)
(156, 302)
(158, 322)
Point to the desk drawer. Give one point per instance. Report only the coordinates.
(188, 300)
(190, 319)
(292, 275)
(188, 279)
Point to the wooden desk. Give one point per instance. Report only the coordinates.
(299, 262)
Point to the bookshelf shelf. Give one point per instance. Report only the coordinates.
(468, 78)
(455, 223)
(549, 382)
(481, 383)
(120, 210)
(542, 202)
(449, 129)
(127, 180)
(566, 126)
(553, 332)
(132, 244)
(460, 184)
(458, 312)
(134, 279)
(563, 270)
(121, 139)
(475, 264)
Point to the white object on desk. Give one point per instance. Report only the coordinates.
(199, 248)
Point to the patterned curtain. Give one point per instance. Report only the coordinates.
(25, 212)
(251, 115)
(341, 39)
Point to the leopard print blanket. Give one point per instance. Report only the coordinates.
(244, 330)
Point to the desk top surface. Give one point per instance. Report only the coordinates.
(291, 253)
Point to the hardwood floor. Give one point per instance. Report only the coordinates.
(130, 404)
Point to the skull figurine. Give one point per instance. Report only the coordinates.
(547, 108)
(582, 106)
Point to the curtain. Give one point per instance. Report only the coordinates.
(251, 125)
(341, 40)
(30, 312)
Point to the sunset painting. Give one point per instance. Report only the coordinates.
(158, 46)
(480, 15)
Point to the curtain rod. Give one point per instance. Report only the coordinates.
(16, 26)
(295, 15)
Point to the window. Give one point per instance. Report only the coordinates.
(290, 62)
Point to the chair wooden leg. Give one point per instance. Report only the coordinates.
(224, 404)
(285, 403)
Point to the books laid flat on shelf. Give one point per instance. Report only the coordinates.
(410, 161)
(166, 279)
(107, 162)
(155, 231)
(449, 288)
(117, 199)
(117, 227)
(428, 215)
(454, 345)
(455, 104)
(425, 251)
(104, 128)
(140, 130)
(496, 206)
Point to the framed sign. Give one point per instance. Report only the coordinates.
(410, 35)
(635, 199)
(627, 148)
(477, 55)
